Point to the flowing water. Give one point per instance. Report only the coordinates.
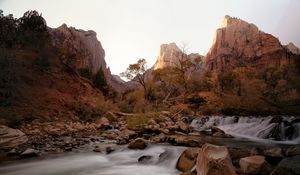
(121, 162)
(277, 129)
(160, 158)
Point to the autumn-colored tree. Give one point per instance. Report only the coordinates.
(185, 66)
(136, 72)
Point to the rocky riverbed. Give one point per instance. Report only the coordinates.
(110, 135)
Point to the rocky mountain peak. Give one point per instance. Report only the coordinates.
(238, 43)
(83, 48)
(292, 48)
(167, 56)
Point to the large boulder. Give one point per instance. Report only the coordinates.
(187, 159)
(255, 165)
(29, 153)
(288, 166)
(10, 138)
(214, 160)
(293, 151)
(138, 143)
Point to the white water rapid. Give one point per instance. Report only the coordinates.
(161, 160)
(281, 129)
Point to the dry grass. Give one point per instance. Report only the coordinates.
(138, 121)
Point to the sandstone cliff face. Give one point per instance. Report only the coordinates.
(82, 50)
(238, 43)
(292, 48)
(168, 55)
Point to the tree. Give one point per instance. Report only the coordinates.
(136, 72)
(8, 30)
(100, 82)
(32, 29)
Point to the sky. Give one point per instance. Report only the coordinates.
(133, 29)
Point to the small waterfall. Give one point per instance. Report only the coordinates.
(272, 128)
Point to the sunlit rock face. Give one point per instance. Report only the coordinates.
(292, 48)
(168, 55)
(239, 43)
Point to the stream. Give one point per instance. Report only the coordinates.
(161, 159)
(121, 162)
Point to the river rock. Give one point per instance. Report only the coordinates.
(103, 122)
(293, 151)
(274, 152)
(187, 159)
(214, 160)
(138, 143)
(144, 158)
(255, 165)
(288, 166)
(29, 153)
(182, 126)
(10, 138)
(216, 130)
(127, 134)
(274, 155)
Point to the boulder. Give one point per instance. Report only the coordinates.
(221, 134)
(103, 122)
(138, 143)
(273, 155)
(214, 160)
(288, 166)
(255, 165)
(216, 130)
(187, 159)
(293, 151)
(29, 153)
(144, 158)
(127, 134)
(182, 126)
(10, 138)
(155, 139)
(109, 149)
(104, 148)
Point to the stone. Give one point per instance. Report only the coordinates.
(188, 173)
(288, 166)
(144, 158)
(214, 160)
(155, 139)
(187, 159)
(216, 130)
(127, 134)
(29, 153)
(182, 126)
(273, 155)
(255, 165)
(11, 138)
(68, 148)
(103, 122)
(109, 149)
(293, 150)
(221, 134)
(138, 143)
(98, 150)
(12, 152)
(238, 43)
